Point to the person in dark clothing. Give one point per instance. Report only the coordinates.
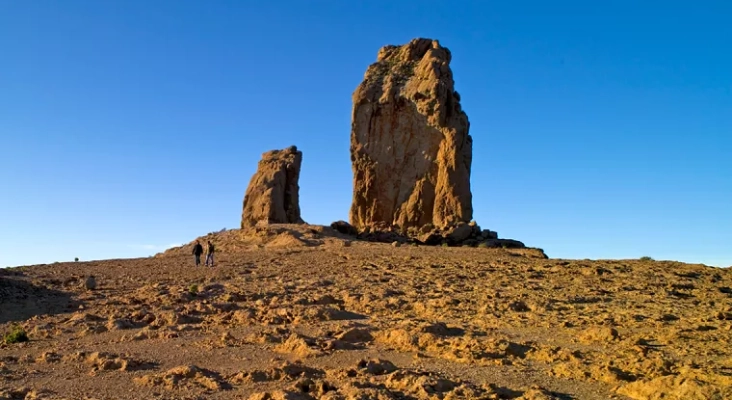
(210, 254)
(197, 251)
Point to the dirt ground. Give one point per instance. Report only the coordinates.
(304, 315)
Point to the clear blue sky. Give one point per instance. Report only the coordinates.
(601, 130)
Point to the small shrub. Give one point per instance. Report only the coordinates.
(76, 259)
(407, 69)
(16, 335)
(193, 289)
(646, 258)
(444, 245)
(431, 107)
(483, 245)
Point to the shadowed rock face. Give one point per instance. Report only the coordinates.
(273, 192)
(410, 149)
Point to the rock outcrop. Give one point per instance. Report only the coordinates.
(411, 152)
(273, 193)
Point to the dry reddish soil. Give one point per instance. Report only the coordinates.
(294, 314)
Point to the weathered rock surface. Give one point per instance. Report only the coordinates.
(273, 193)
(410, 148)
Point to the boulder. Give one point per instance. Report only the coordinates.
(476, 231)
(273, 195)
(382, 236)
(488, 234)
(504, 243)
(460, 233)
(431, 238)
(344, 228)
(410, 148)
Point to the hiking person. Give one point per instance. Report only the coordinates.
(210, 254)
(197, 251)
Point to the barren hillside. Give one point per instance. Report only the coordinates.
(327, 318)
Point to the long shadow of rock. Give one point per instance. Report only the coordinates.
(562, 396)
(507, 393)
(343, 315)
(22, 300)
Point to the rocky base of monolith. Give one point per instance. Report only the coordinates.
(462, 234)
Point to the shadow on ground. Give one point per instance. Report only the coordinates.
(22, 300)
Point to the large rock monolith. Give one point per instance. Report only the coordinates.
(273, 193)
(410, 149)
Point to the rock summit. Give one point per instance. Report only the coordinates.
(273, 193)
(410, 148)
